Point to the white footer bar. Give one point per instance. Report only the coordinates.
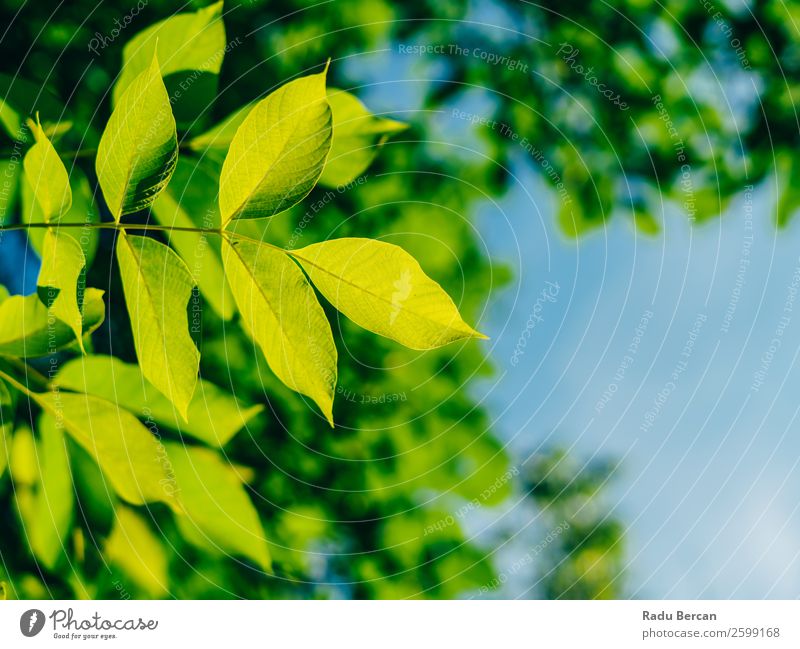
(401, 625)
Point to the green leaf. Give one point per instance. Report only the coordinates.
(158, 286)
(83, 211)
(216, 504)
(139, 146)
(61, 280)
(184, 41)
(50, 525)
(788, 173)
(28, 330)
(357, 138)
(383, 289)
(217, 140)
(278, 152)
(6, 425)
(215, 416)
(191, 201)
(137, 551)
(281, 311)
(132, 459)
(47, 176)
(22, 461)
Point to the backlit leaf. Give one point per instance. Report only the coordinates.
(382, 288)
(49, 527)
(6, 425)
(136, 550)
(278, 152)
(60, 279)
(22, 462)
(132, 459)
(27, 329)
(281, 312)
(47, 176)
(139, 147)
(214, 415)
(216, 504)
(158, 287)
(357, 138)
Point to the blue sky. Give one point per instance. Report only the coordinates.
(708, 491)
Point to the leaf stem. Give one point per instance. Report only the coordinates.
(122, 227)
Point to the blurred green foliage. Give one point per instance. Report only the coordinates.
(356, 512)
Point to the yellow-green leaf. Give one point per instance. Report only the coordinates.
(357, 138)
(278, 152)
(382, 288)
(158, 286)
(282, 313)
(83, 211)
(185, 41)
(28, 330)
(190, 201)
(60, 280)
(47, 176)
(139, 146)
(137, 551)
(49, 527)
(215, 416)
(132, 459)
(6, 425)
(217, 508)
(22, 461)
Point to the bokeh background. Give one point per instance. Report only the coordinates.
(607, 191)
